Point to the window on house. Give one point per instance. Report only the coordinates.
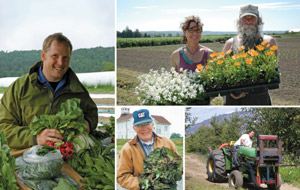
(158, 130)
(166, 128)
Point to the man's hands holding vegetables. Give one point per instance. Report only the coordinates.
(53, 135)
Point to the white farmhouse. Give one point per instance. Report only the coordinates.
(125, 128)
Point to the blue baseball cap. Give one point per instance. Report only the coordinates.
(141, 116)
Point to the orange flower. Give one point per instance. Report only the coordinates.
(264, 43)
(213, 60)
(220, 56)
(235, 57)
(273, 48)
(212, 55)
(260, 47)
(237, 64)
(249, 61)
(268, 45)
(270, 53)
(229, 52)
(200, 67)
(241, 48)
(222, 53)
(220, 62)
(243, 55)
(252, 52)
(206, 67)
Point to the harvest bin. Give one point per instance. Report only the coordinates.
(65, 168)
(245, 87)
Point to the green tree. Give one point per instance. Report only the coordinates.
(189, 120)
(176, 136)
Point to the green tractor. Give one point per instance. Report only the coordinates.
(238, 165)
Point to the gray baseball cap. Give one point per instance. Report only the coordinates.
(249, 10)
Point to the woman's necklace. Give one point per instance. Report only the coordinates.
(192, 53)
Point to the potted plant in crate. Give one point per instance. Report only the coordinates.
(244, 71)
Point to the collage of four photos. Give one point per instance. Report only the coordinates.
(150, 95)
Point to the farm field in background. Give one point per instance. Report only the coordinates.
(132, 62)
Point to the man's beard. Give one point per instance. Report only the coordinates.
(249, 35)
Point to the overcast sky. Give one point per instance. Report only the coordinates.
(217, 15)
(174, 114)
(24, 24)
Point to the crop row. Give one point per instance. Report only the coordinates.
(159, 41)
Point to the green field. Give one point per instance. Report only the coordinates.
(178, 143)
(101, 88)
(160, 41)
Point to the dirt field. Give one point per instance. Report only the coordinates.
(142, 59)
(195, 177)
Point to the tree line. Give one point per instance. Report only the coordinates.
(128, 33)
(17, 63)
(283, 122)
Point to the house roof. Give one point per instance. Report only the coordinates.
(159, 119)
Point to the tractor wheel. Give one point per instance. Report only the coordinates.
(215, 167)
(235, 179)
(273, 186)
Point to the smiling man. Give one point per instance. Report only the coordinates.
(48, 83)
(249, 35)
(133, 153)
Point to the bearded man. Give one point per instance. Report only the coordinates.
(249, 35)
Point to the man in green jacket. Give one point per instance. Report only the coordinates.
(48, 84)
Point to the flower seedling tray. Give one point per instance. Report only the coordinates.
(65, 168)
(239, 88)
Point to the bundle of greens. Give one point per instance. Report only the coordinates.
(162, 168)
(7, 165)
(96, 166)
(69, 121)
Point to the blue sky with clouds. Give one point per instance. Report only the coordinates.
(87, 23)
(217, 15)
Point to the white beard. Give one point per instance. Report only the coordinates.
(249, 35)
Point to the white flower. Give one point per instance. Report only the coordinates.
(168, 87)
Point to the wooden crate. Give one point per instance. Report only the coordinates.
(65, 168)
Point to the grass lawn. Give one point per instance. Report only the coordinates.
(100, 88)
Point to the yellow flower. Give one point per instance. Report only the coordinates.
(252, 52)
(222, 53)
(264, 43)
(235, 57)
(212, 55)
(243, 55)
(270, 53)
(237, 64)
(273, 48)
(249, 61)
(220, 62)
(229, 52)
(260, 47)
(268, 45)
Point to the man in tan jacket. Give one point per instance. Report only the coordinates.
(133, 153)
